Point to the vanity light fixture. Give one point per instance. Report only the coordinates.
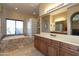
(57, 7)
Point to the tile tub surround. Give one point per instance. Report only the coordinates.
(14, 42)
(14, 37)
(27, 50)
(74, 40)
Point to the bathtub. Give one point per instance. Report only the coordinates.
(10, 43)
(14, 37)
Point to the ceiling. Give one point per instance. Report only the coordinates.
(30, 8)
(27, 8)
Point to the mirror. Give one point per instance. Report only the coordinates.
(45, 23)
(54, 23)
(60, 26)
(59, 23)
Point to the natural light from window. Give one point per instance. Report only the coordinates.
(14, 27)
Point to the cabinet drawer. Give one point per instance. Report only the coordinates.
(36, 37)
(56, 43)
(46, 40)
(70, 46)
(68, 52)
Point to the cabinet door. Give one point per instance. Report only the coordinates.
(53, 51)
(43, 47)
(66, 52)
(69, 50)
(37, 42)
(40, 45)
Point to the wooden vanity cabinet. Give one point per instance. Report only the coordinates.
(43, 46)
(46, 46)
(52, 47)
(40, 44)
(66, 52)
(37, 42)
(69, 50)
(53, 51)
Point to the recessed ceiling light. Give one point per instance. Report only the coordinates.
(16, 8)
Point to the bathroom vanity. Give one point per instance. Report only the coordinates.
(57, 44)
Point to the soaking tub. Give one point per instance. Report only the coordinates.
(10, 43)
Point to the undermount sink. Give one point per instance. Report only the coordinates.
(53, 35)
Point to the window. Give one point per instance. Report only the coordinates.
(19, 27)
(14, 27)
(10, 27)
(75, 24)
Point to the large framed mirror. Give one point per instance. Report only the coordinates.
(75, 23)
(60, 26)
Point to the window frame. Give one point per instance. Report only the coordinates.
(71, 20)
(15, 27)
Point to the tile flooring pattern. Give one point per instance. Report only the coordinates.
(27, 50)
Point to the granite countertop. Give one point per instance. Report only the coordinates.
(71, 39)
